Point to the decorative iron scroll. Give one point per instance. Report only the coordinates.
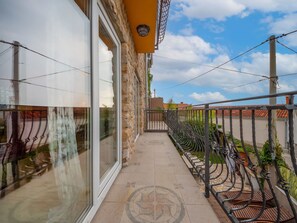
(252, 174)
(33, 140)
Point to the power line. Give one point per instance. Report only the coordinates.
(221, 68)
(40, 85)
(44, 75)
(290, 74)
(7, 59)
(45, 56)
(242, 85)
(286, 46)
(4, 51)
(285, 34)
(216, 67)
(264, 79)
(110, 82)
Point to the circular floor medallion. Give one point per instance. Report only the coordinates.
(155, 204)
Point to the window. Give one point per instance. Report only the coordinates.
(45, 109)
(108, 100)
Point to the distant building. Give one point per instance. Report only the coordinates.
(180, 106)
(158, 103)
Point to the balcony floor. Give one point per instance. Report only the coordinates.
(155, 187)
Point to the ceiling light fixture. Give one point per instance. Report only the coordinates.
(143, 30)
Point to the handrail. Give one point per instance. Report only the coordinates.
(249, 98)
(214, 140)
(25, 142)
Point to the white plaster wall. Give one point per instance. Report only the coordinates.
(261, 129)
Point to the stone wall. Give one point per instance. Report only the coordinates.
(133, 65)
(156, 103)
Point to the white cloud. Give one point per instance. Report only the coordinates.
(179, 60)
(220, 10)
(268, 19)
(285, 24)
(214, 28)
(208, 97)
(270, 5)
(188, 30)
(284, 87)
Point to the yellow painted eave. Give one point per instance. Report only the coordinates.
(142, 12)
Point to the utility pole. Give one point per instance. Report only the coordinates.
(15, 117)
(272, 85)
(273, 77)
(15, 83)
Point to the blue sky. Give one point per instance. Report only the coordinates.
(201, 34)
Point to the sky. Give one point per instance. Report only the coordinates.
(201, 35)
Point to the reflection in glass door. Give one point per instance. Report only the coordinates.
(45, 114)
(108, 90)
(136, 108)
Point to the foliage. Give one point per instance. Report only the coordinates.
(171, 104)
(238, 145)
(291, 178)
(150, 79)
(213, 158)
(266, 156)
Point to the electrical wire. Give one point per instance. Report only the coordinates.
(284, 75)
(110, 82)
(4, 51)
(279, 76)
(245, 52)
(44, 75)
(282, 44)
(40, 85)
(43, 55)
(242, 85)
(220, 68)
(285, 34)
(216, 67)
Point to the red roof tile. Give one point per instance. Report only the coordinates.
(258, 113)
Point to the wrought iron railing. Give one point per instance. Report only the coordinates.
(245, 155)
(24, 142)
(155, 120)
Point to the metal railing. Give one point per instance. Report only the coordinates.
(24, 142)
(155, 121)
(245, 155)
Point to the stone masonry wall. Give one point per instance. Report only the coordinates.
(133, 64)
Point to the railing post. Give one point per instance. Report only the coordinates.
(206, 143)
(146, 124)
(291, 133)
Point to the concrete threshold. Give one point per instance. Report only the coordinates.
(156, 187)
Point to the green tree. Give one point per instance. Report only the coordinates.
(149, 79)
(171, 104)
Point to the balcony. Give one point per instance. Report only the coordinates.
(245, 155)
(156, 186)
(215, 163)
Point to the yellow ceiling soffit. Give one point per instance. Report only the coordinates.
(142, 12)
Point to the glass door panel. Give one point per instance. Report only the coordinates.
(45, 98)
(108, 71)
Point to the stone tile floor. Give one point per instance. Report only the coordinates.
(156, 187)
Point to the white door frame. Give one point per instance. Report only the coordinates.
(100, 189)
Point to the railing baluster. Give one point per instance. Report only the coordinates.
(291, 134)
(206, 138)
(272, 152)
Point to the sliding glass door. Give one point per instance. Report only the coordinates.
(109, 99)
(45, 100)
